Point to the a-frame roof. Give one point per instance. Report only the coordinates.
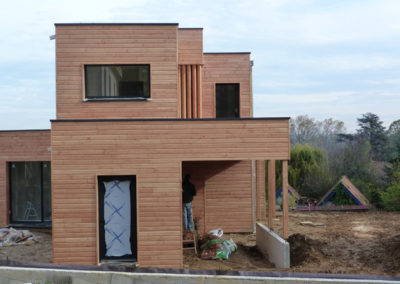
(350, 189)
(290, 190)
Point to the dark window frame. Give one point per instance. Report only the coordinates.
(115, 98)
(42, 221)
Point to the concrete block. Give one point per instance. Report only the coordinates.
(273, 246)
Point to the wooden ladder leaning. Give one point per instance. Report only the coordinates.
(190, 244)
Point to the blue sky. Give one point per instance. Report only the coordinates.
(327, 58)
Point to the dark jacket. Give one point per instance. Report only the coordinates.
(188, 192)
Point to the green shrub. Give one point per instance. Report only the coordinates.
(391, 197)
(341, 197)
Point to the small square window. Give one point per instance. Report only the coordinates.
(117, 82)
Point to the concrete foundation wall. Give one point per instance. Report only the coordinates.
(13, 275)
(273, 246)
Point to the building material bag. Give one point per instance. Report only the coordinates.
(216, 251)
(213, 247)
(231, 245)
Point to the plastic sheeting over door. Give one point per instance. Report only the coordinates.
(117, 218)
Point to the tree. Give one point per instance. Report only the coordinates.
(373, 131)
(303, 129)
(394, 127)
(308, 170)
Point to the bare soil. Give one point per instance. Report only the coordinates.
(34, 252)
(349, 242)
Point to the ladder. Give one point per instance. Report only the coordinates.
(191, 244)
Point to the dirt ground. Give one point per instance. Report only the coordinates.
(38, 252)
(348, 242)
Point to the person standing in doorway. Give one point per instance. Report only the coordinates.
(188, 191)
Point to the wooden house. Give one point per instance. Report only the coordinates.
(143, 103)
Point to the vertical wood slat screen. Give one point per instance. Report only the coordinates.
(190, 91)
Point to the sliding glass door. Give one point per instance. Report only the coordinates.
(30, 192)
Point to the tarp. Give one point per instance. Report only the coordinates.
(117, 218)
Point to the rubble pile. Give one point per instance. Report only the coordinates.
(12, 237)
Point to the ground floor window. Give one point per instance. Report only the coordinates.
(30, 192)
(117, 218)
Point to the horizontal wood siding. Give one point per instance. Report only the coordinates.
(190, 46)
(153, 151)
(19, 146)
(229, 197)
(102, 44)
(226, 68)
(224, 195)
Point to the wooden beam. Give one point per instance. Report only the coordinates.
(199, 90)
(285, 207)
(189, 91)
(183, 90)
(194, 92)
(179, 115)
(271, 193)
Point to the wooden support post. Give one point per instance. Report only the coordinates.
(285, 207)
(271, 193)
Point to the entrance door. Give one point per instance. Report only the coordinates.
(227, 100)
(30, 192)
(117, 218)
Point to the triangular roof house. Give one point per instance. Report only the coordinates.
(350, 189)
(291, 191)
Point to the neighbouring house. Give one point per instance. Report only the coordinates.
(137, 107)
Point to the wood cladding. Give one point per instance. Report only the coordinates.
(226, 68)
(224, 195)
(190, 46)
(102, 44)
(19, 146)
(153, 151)
(190, 91)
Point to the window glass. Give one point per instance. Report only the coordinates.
(26, 205)
(30, 190)
(117, 81)
(227, 100)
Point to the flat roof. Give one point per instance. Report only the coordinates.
(21, 130)
(190, 28)
(240, 52)
(168, 119)
(116, 24)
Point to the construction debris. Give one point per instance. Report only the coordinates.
(309, 223)
(12, 237)
(214, 247)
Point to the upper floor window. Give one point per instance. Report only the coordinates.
(227, 100)
(117, 82)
